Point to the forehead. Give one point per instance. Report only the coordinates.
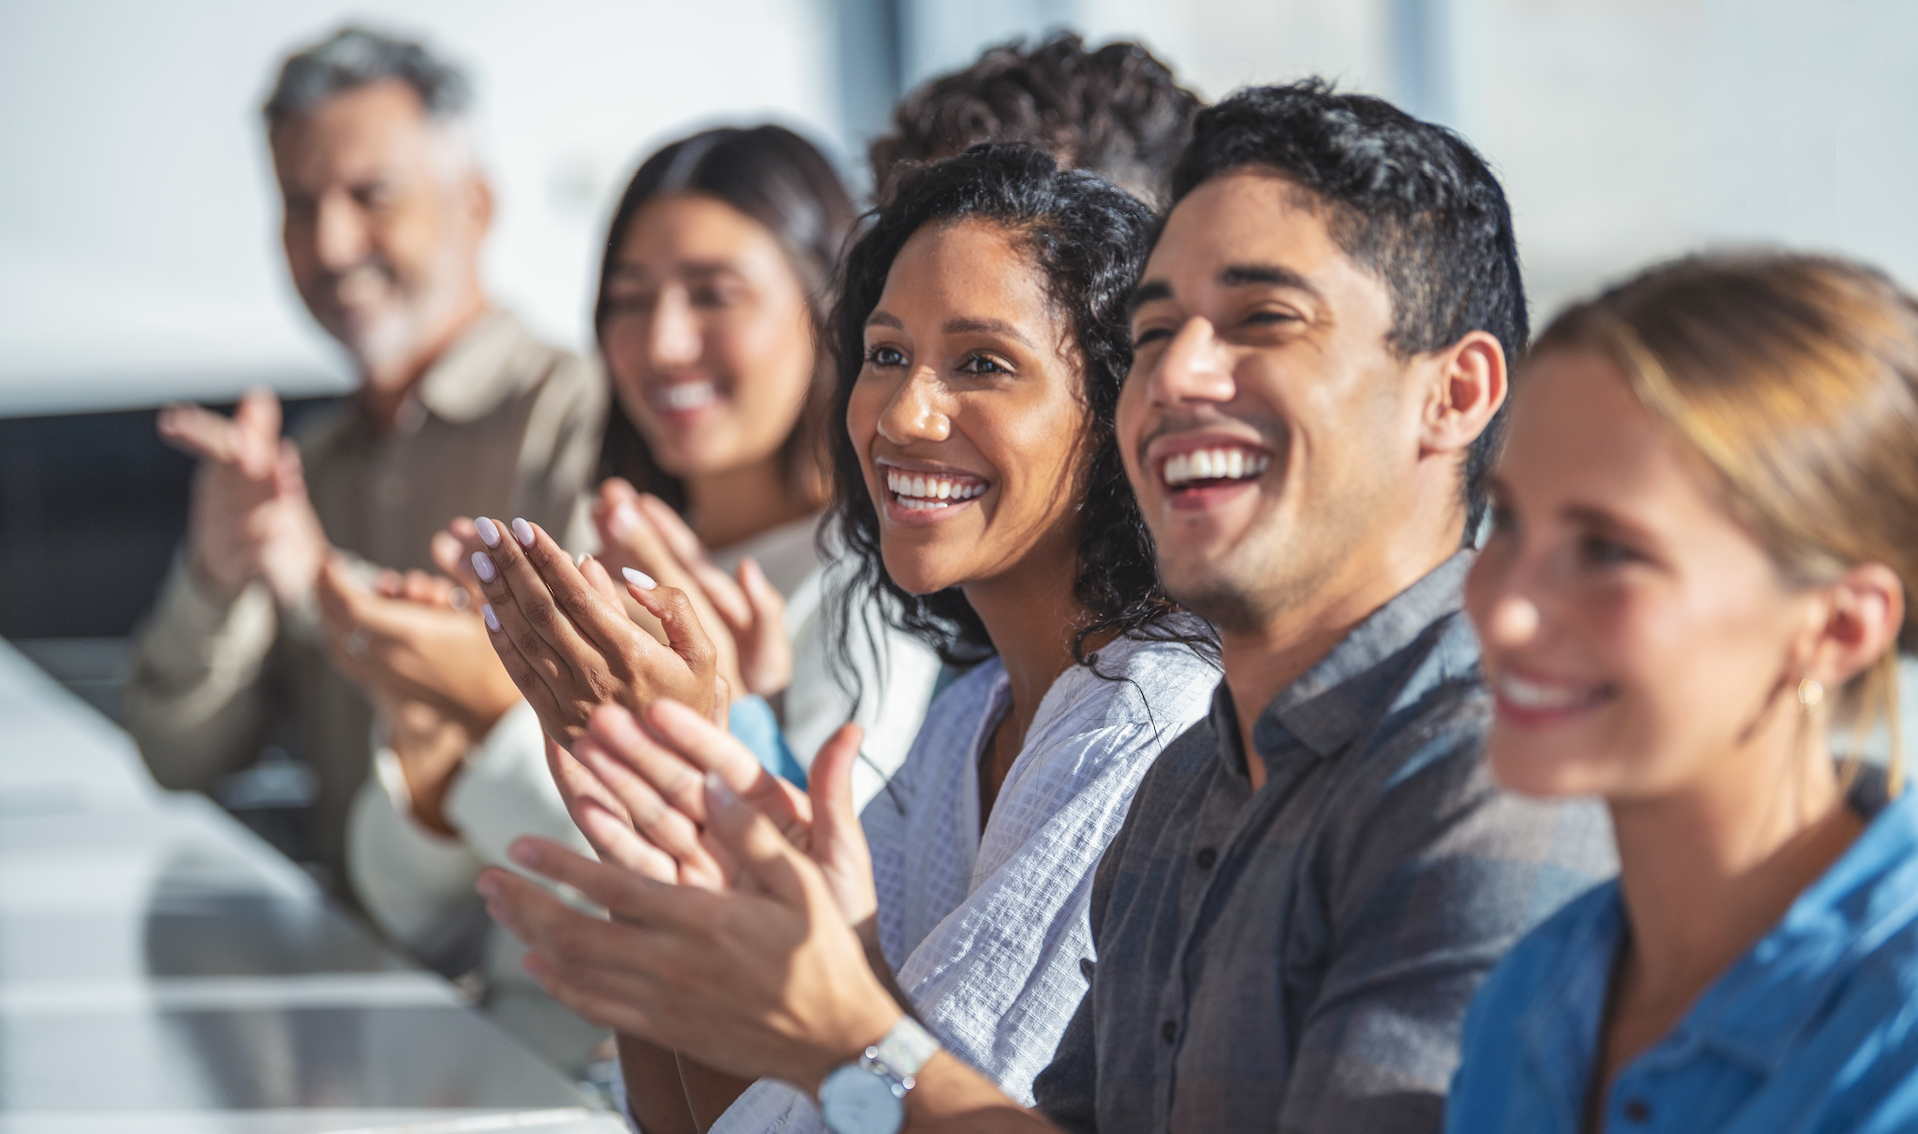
(695, 226)
(970, 268)
(1249, 216)
(1577, 429)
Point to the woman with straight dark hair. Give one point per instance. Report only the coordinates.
(1705, 544)
(982, 336)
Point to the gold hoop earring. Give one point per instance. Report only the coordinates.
(1810, 692)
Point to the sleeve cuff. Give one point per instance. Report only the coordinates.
(505, 790)
(410, 879)
(193, 631)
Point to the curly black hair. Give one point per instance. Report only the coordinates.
(1089, 240)
(1410, 201)
(1117, 111)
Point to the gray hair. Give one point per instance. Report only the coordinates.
(355, 57)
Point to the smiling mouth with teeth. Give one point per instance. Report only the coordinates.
(1221, 463)
(1540, 698)
(920, 492)
(684, 397)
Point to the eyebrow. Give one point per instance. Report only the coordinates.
(697, 268)
(881, 319)
(964, 326)
(1595, 517)
(1151, 291)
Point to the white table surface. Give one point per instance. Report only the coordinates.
(162, 970)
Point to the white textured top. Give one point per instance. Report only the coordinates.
(987, 933)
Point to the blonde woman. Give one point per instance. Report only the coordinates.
(1706, 531)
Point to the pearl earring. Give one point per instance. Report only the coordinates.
(1810, 692)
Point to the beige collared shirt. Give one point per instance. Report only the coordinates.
(501, 425)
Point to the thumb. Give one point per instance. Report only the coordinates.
(768, 605)
(767, 863)
(829, 783)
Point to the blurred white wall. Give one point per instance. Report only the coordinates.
(138, 258)
(139, 255)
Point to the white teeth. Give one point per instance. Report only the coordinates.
(1531, 695)
(686, 395)
(1221, 463)
(920, 492)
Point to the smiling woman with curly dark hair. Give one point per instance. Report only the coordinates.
(981, 339)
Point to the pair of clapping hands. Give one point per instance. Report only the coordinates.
(693, 633)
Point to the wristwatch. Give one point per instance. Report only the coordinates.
(868, 1095)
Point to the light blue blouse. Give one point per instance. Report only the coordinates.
(1815, 1028)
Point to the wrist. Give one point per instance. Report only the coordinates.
(868, 1095)
(872, 1024)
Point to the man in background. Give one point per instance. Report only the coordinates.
(1117, 112)
(459, 411)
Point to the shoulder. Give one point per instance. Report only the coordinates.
(1544, 953)
(1131, 682)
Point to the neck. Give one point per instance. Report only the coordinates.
(735, 505)
(1260, 662)
(1030, 615)
(1708, 869)
(384, 385)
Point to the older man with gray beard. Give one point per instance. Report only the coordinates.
(459, 411)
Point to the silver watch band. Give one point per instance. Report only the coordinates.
(902, 1051)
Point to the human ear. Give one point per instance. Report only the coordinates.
(1863, 612)
(479, 196)
(1468, 385)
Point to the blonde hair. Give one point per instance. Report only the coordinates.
(1796, 378)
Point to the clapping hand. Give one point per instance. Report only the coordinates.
(569, 646)
(251, 518)
(641, 531)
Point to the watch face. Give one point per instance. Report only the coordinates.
(854, 1100)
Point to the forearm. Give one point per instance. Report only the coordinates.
(655, 1098)
(950, 1096)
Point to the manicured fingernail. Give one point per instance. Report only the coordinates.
(523, 532)
(459, 599)
(483, 566)
(716, 787)
(523, 853)
(625, 518)
(489, 535)
(580, 559)
(492, 620)
(638, 579)
(488, 887)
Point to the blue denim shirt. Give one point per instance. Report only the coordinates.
(1815, 1028)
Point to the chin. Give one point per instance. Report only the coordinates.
(1537, 768)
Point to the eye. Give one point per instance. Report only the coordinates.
(1599, 551)
(714, 295)
(629, 302)
(885, 356)
(1266, 317)
(1150, 335)
(1504, 518)
(979, 365)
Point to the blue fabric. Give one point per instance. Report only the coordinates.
(1814, 1029)
(752, 723)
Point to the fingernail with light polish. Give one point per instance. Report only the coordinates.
(625, 518)
(483, 566)
(638, 579)
(492, 620)
(523, 532)
(716, 787)
(488, 533)
(580, 559)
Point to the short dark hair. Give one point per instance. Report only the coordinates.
(1117, 111)
(782, 181)
(1408, 200)
(356, 57)
(1088, 238)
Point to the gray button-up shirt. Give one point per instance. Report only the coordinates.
(1300, 958)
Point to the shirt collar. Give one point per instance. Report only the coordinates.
(470, 378)
(1757, 1011)
(1360, 681)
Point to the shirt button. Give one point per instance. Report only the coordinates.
(1206, 857)
(1170, 1031)
(1637, 1110)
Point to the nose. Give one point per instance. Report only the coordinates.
(340, 235)
(1513, 622)
(1196, 367)
(674, 339)
(915, 412)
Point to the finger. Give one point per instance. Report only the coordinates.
(653, 819)
(541, 690)
(289, 473)
(670, 529)
(256, 425)
(677, 781)
(615, 841)
(722, 704)
(524, 614)
(622, 893)
(594, 572)
(574, 942)
(608, 1013)
(829, 786)
(768, 864)
(199, 433)
(686, 636)
(596, 621)
(712, 751)
(768, 605)
(577, 785)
